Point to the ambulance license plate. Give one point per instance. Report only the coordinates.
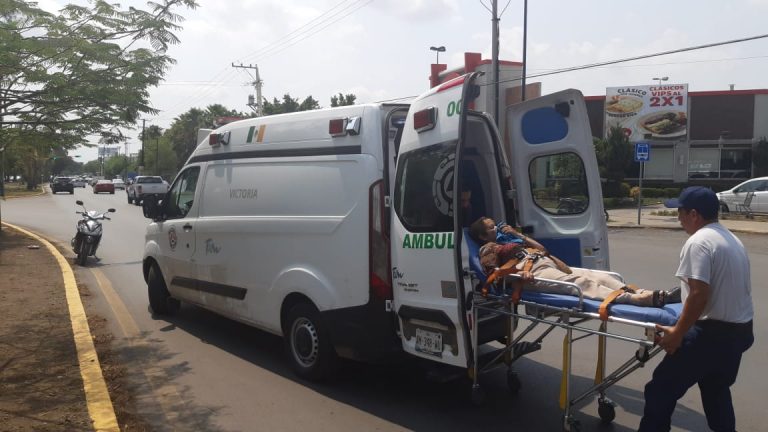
(429, 342)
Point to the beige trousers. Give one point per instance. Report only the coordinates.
(594, 285)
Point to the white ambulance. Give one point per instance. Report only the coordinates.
(339, 229)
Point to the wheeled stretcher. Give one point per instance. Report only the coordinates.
(573, 314)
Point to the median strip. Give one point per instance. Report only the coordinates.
(99, 404)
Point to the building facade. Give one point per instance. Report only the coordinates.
(724, 128)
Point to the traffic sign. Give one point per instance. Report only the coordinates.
(642, 151)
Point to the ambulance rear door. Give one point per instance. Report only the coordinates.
(557, 183)
(428, 253)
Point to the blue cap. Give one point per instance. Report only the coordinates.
(698, 198)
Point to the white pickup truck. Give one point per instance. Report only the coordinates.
(144, 186)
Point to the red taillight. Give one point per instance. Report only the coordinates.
(213, 139)
(425, 119)
(378, 245)
(337, 127)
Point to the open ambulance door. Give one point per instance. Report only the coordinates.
(557, 183)
(427, 259)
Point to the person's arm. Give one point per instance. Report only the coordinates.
(527, 241)
(692, 309)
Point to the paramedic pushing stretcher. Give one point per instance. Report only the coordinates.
(502, 243)
(715, 327)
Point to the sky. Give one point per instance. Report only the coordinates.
(379, 49)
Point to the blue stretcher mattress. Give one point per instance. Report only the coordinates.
(666, 315)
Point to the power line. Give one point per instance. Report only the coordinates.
(640, 57)
(271, 49)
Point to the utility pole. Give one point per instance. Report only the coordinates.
(495, 59)
(141, 157)
(258, 107)
(525, 47)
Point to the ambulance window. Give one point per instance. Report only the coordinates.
(182, 194)
(559, 183)
(424, 188)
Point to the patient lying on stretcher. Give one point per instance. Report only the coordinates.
(502, 244)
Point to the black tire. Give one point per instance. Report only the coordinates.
(72, 192)
(607, 412)
(82, 253)
(724, 208)
(160, 299)
(308, 344)
(112, 193)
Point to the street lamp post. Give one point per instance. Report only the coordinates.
(437, 51)
(661, 79)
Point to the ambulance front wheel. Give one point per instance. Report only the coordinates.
(308, 344)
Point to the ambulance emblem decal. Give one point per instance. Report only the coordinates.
(442, 185)
(172, 239)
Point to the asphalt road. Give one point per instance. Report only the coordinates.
(198, 371)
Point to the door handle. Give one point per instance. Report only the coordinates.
(187, 227)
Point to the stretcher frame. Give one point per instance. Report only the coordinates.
(556, 317)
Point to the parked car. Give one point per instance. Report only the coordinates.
(119, 184)
(731, 199)
(104, 186)
(78, 182)
(62, 184)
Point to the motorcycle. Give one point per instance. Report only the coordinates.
(88, 235)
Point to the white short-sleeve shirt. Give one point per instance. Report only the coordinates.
(717, 257)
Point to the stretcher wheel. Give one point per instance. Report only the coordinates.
(478, 395)
(570, 424)
(513, 382)
(606, 409)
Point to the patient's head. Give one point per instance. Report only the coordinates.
(483, 230)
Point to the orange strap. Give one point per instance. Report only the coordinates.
(610, 298)
(506, 269)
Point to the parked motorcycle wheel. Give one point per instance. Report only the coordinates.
(82, 253)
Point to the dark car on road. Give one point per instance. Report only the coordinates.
(62, 184)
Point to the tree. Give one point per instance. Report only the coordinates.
(760, 157)
(83, 68)
(289, 105)
(78, 72)
(182, 135)
(614, 158)
(343, 100)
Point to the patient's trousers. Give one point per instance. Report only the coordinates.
(594, 285)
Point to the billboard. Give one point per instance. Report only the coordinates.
(108, 152)
(658, 112)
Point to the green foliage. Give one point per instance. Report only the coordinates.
(81, 71)
(760, 158)
(614, 158)
(289, 105)
(343, 100)
(182, 135)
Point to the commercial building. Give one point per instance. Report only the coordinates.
(723, 129)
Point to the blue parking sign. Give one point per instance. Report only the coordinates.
(642, 151)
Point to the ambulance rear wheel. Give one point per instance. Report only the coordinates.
(308, 344)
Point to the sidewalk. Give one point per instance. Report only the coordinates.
(627, 218)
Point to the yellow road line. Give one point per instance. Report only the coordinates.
(165, 393)
(97, 398)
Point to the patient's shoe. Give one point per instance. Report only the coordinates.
(673, 296)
